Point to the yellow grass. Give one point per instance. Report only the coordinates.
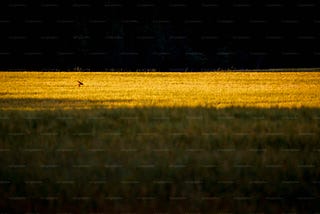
(55, 90)
(239, 160)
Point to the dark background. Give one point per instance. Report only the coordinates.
(160, 35)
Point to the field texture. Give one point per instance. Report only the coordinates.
(43, 91)
(160, 142)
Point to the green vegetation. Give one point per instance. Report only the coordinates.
(160, 160)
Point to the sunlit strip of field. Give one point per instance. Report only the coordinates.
(59, 90)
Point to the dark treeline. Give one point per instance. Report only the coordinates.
(161, 35)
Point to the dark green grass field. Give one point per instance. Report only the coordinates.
(160, 160)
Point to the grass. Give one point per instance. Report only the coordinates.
(159, 142)
(46, 90)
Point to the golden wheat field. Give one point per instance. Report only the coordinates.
(50, 90)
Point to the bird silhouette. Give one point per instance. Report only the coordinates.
(80, 83)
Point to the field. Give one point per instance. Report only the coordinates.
(43, 91)
(209, 142)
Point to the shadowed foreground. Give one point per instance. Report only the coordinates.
(149, 160)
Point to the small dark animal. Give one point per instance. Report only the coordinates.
(80, 83)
